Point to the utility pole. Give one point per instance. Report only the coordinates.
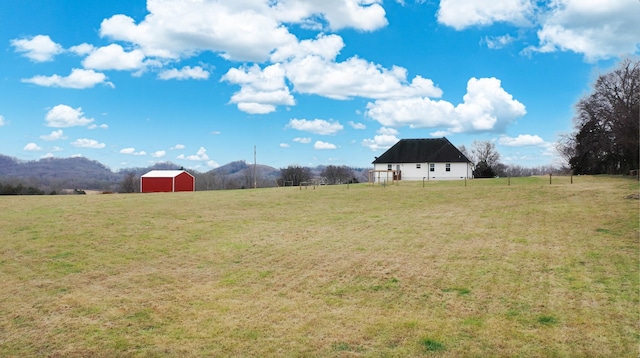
(255, 180)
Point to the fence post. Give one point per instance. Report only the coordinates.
(549, 178)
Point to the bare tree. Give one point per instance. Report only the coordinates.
(205, 181)
(247, 177)
(486, 159)
(294, 174)
(337, 174)
(607, 124)
(129, 183)
(485, 151)
(566, 147)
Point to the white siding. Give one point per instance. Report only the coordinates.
(410, 172)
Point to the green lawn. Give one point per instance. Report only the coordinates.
(433, 269)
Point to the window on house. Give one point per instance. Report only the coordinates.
(432, 167)
(389, 166)
(448, 167)
(418, 166)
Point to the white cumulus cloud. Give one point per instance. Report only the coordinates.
(32, 147)
(365, 15)
(355, 77)
(82, 49)
(324, 46)
(384, 140)
(237, 30)
(461, 14)
(320, 145)
(114, 57)
(260, 90)
(132, 151)
(2, 121)
(310, 67)
(498, 42)
(317, 126)
(486, 107)
(201, 155)
(596, 29)
(88, 143)
(78, 79)
(62, 116)
(521, 140)
(185, 73)
(380, 142)
(159, 154)
(303, 140)
(38, 48)
(55, 135)
(246, 31)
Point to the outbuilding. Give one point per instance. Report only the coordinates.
(167, 181)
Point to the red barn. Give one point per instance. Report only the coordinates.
(157, 181)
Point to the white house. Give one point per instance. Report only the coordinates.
(421, 159)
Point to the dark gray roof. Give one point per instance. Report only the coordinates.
(433, 150)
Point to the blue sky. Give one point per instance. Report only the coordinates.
(201, 82)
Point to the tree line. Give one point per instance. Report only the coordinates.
(486, 163)
(19, 189)
(330, 175)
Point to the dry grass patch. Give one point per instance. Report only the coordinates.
(530, 269)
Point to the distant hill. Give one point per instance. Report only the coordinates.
(56, 174)
(237, 175)
(240, 167)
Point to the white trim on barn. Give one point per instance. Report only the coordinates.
(164, 173)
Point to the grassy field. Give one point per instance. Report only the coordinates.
(485, 269)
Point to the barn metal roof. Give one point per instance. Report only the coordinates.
(431, 150)
(163, 173)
